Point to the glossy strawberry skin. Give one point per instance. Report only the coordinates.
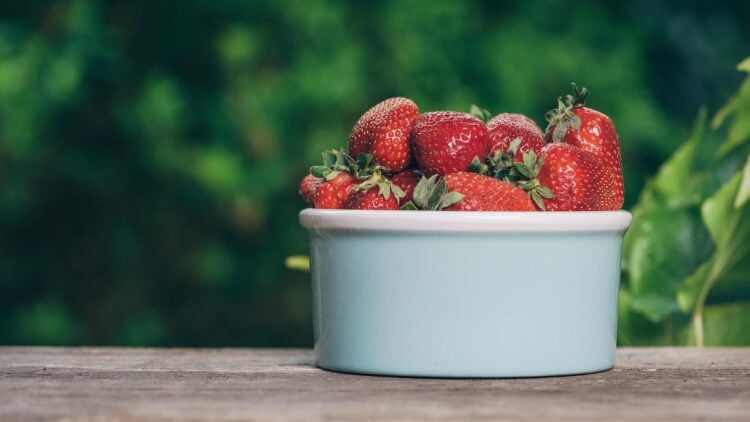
(384, 131)
(578, 179)
(446, 141)
(407, 180)
(332, 194)
(598, 136)
(484, 193)
(505, 127)
(308, 186)
(370, 199)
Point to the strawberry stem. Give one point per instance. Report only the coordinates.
(563, 117)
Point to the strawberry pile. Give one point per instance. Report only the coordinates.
(447, 160)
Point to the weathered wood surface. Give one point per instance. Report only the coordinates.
(282, 385)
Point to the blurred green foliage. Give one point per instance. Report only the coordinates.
(150, 150)
(687, 253)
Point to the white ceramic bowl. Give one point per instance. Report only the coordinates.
(465, 294)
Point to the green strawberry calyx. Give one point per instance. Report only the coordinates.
(501, 165)
(366, 166)
(524, 174)
(385, 187)
(431, 194)
(480, 113)
(563, 117)
(530, 168)
(336, 161)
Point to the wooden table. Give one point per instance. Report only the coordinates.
(47, 383)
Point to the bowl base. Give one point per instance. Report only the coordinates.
(459, 374)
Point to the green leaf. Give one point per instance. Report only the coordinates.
(545, 192)
(537, 198)
(744, 66)
(574, 122)
(744, 192)
(558, 134)
(437, 194)
(730, 230)
(329, 158)
(364, 160)
(678, 178)
(525, 170)
(720, 215)
(476, 166)
(451, 198)
(384, 190)
(738, 108)
(727, 324)
(330, 175)
(397, 191)
(409, 206)
(514, 145)
(480, 113)
(319, 171)
(421, 190)
(664, 245)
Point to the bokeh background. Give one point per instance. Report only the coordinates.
(150, 150)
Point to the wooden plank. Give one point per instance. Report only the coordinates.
(282, 385)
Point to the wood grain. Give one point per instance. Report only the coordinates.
(119, 384)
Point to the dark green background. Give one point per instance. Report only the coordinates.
(150, 150)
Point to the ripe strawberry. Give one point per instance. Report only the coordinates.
(407, 180)
(384, 132)
(447, 142)
(371, 199)
(591, 131)
(308, 186)
(375, 193)
(327, 185)
(577, 178)
(506, 127)
(333, 193)
(484, 193)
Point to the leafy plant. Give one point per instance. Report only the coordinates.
(687, 254)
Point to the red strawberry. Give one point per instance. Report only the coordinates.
(407, 181)
(591, 131)
(332, 194)
(371, 199)
(506, 127)
(577, 178)
(375, 193)
(308, 186)
(447, 141)
(384, 132)
(484, 193)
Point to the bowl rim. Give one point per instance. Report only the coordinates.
(462, 221)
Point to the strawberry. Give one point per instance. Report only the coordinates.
(577, 178)
(506, 127)
(592, 131)
(334, 180)
(468, 192)
(371, 199)
(333, 193)
(407, 180)
(384, 131)
(484, 193)
(375, 193)
(308, 186)
(447, 142)
(432, 195)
